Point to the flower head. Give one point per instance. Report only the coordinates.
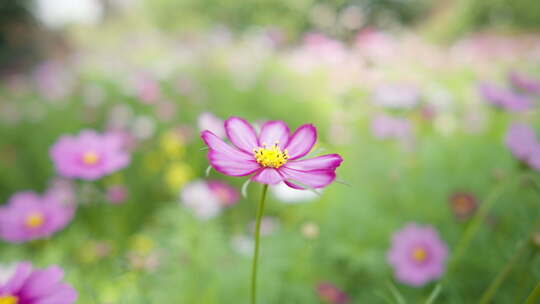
(463, 204)
(524, 82)
(522, 142)
(272, 156)
(207, 198)
(385, 127)
(396, 96)
(117, 194)
(505, 98)
(89, 155)
(28, 216)
(331, 294)
(36, 286)
(417, 255)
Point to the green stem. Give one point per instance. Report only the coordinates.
(496, 283)
(477, 221)
(534, 296)
(260, 212)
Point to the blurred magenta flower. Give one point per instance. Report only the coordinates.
(463, 204)
(36, 286)
(521, 140)
(505, 98)
(208, 121)
(28, 216)
(417, 254)
(387, 127)
(524, 82)
(273, 156)
(207, 199)
(62, 191)
(53, 80)
(329, 293)
(89, 155)
(117, 194)
(396, 96)
(147, 88)
(225, 193)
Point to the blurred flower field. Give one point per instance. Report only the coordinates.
(104, 172)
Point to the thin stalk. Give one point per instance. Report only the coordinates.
(534, 296)
(477, 221)
(260, 212)
(499, 279)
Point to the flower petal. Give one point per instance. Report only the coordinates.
(323, 162)
(227, 159)
(302, 141)
(17, 281)
(268, 176)
(275, 131)
(313, 178)
(231, 166)
(241, 134)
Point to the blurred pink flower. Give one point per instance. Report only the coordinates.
(226, 194)
(329, 293)
(417, 255)
(524, 82)
(117, 194)
(33, 286)
(505, 98)
(62, 191)
(521, 140)
(208, 121)
(203, 202)
(396, 96)
(463, 204)
(89, 155)
(147, 89)
(387, 127)
(28, 216)
(166, 110)
(268, 225)
(272, 156)
(53, 80)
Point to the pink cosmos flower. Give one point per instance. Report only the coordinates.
(208, 121)
(385, 127)
(89, 155)
(226, 194)
(524, 82)
(417, 255)
(505, 98)
(272, 156)
(28, 216)
(331, 294)
(117, 194)
(36, 286)
(521, 140)
(396, 96)
(207, 199)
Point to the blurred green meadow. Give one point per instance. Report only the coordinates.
(150, 69)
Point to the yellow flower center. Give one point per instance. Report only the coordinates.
(9, 300)
(90, 158)
(271, 157)
(34, 220)
(419, 254)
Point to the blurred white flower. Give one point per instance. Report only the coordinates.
(289, 195)
(143, 127)
(208, 121)
(198, 197)
(243, 245)
(58, 13)
(268, 225)
(310, 230)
